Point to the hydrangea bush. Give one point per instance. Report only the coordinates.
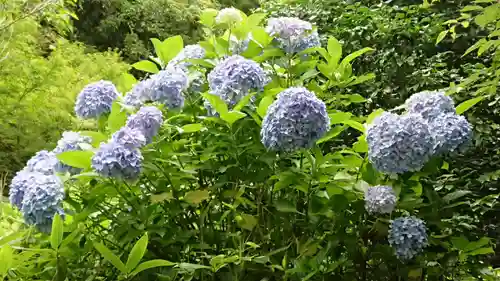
(250, 175)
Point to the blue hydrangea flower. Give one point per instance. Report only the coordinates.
(235, 77)
(408, 237)
(42, 200)
(147, 120)
(18, 186)
(117, 161)
(71, 141)
(189, 52)
(451, 133)
(398, 144)
(167, 87)
(139, 94)
(95, 99)
(380, 199)
(196, 82)
(297, 119)
(292, 34)
(239, 46)
(43, 162)
(128, 137)
(228, 16)
(430, 104)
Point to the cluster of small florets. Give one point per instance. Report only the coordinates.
(297, 119)
(139, 94)
(408, 237)
(189, 52)
(380, 199)
(71, 141)
(229, 16)
(399, 144)
(235, 77)
(292, 34)
(95, 99)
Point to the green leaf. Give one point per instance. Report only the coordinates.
(264, 104)
(56, 236)
(7, 257)
(334, 50)
(481, 251)
(191, 128)
(137, 252)
(109, 256)
(356, 98)
(97, 137)
(150, 264)
(252, 50)
(455, 195)
(339, 117)
(285, 206)
(356, 54)
(216, 102)
(477, 244)
(361, 145)
(374, 115)
(192, 266)
(232, 116)
(243, 102)
(126, 82)
(356, 125)
(255, 19)
(441, 36)
(196, 197)
(117, 118)
(78, 159)
(335, 131)
(207, 17)
(171, 47)
(147, 66)
(247, 222)
(459, 242)
(464, 106)
(362, 79)
(471, 8)
(260, 35)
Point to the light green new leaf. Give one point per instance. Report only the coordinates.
(78, 159)
(481, 251)
(6, 258)
(334, 50)
(56, 236)
(232, 116)
(374, 115)
(356, 54)
(331, 134)
(109, 256)
(171, 47)
(264, 104)
(97, 137)
(216, 102)
(160, 50)
(441, 36)
(477, 244)
(207, 17)
(243, 102)
(356, 125)
(137, 253)
(464, 106)
(147, 66)
(192, 266)
(150, 264)
(117, 118)
(247, 222)
(197, 196)
(192, 128)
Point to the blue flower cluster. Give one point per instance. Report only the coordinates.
(408, 236)
(128, 137)
(297, 119)
(71, 141)
(147, 120)
(430, 104)
(43, 162)
(292, 34)
(235, 77)
(95, 99)
(189, 52)
(397, 144)
(18, 186)
(380, 199)
(451, 133)
(167, 86)
(228, 16)
(139, 94)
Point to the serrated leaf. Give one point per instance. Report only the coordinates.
(109, 256)
(150, 264)
(191, 128)
(196, 197)
(56, 236)
(137, 253)
(147, 66)
(79, 159)
(265, 102)
(466, 105)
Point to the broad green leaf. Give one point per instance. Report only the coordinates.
(117, 118)
(334, 50)
(471, 8)
(356, 54)
(160, 51)
(196, 197)
(126, 82)
(362, 79)
(269, 53)
(459, 242)
(137, 253)
(171, 47)
(477, 244)
(481, 251)
(207, 17)
(78, 159)
(441, 36)
(455, 195)
(252, 50)
(243, 102)
(260, 35)
(109, 256)
(70, 237)
(150, 264)
(6, 258)
(165, 196)
(464, 106)
(247, 222)
(97, 137)
(361, 145)
(335, 131)
(203, 62)
(356, 98)
(339, 117)
(256, 18)
(192, 266)
(191, 128)
(356, 125)
(265, 102)
(147, 66)
(374, 115)
(56, 236)
(285, 206)
(475, 46)
(216, 102)
(232, 116)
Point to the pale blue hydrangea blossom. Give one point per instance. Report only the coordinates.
(235, 77)
(398, 144)
(297, 119)
(128, 137)
(42, 200)
(293, 35)
(451, 133)
(117, 161)
(139, 94)
(430, 104)
(189, 52)
(71, 141)
(380, 199)
(95, 99)
(43, 162)
(228, 16)
(147, 120)
(167, 87)
(18, 186)
(408, 237)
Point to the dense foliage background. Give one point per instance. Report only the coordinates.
(207, 209)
